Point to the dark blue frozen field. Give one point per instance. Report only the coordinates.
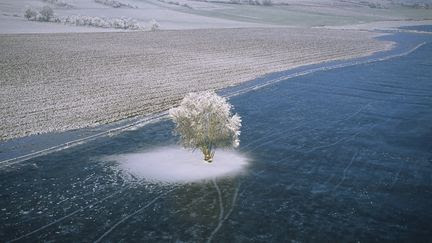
(340, 155)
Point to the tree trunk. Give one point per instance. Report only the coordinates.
(208, 154)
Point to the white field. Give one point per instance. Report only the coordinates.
(12, 16)
(204, 14)
(55, 82)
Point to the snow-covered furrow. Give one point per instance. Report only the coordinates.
(56, 82)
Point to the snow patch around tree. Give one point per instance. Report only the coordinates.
(177, 165)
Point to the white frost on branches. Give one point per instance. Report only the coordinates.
(116, 23)
(59, 3)
(115, 4)
(46, 14)
(204, 120)
(153, 25)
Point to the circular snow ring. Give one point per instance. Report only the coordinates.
(177, 165)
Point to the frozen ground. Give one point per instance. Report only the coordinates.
(12, 16)
(55, 82)
(334, 155)
(192, 14)
(317, 13)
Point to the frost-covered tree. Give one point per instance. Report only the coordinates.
(59, 3)
(153, 25)
(267, 3)
(204, 120)
(115, 4)
(30, 13)
(46, 13)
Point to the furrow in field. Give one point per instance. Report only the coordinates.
(55, 82)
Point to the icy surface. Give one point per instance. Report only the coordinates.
(177, 165)
(337, 155)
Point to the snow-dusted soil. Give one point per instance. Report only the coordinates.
(55, 82)
(204, 14)
(12, 16)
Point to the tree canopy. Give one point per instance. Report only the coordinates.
(204, 120)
